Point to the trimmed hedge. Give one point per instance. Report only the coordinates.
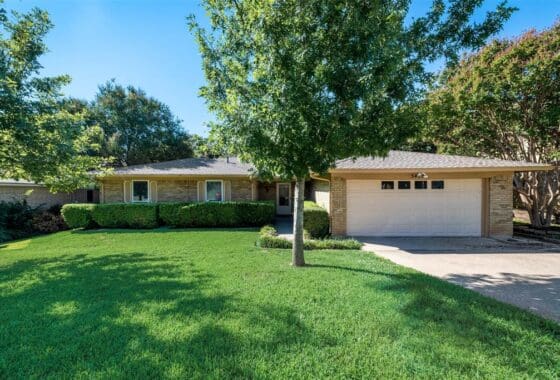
(78, 215)
(176, 214)
(268, 238)
(126, 215)
(315, 220)
(170, 213)
(225, 214)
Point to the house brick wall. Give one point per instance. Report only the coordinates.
(241, 190)
(500, 206)
(176, 190)
(338, 206)
(40, 196)
(112, 192)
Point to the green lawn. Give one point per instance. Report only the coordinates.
(193, 304)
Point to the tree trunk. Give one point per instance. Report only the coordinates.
(297, 247)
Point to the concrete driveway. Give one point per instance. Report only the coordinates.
(522, 272)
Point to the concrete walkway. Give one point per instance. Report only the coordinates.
(284, 226)
(521, 272)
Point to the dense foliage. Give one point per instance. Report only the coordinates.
(171, 213)
(174, 214)
(18, 220)
(39, 139)
(125, 215)
(504, 102)
(78, 215)
(296, 85)
(218, 214)
(137, 128)
(315, 220)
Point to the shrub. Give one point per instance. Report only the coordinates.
(48, 222)
(268, 238)
(170, 213)
(224, 214)
(77, 215)
(16, 215)
(126, 215)
(315, 220)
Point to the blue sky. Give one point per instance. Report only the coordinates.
(146, 43)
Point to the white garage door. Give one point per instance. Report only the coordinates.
(388, 208)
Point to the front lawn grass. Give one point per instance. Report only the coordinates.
(209, 304)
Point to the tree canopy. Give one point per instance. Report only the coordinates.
(39, 139)
(137, 128)
(296, 85)
(504, 102)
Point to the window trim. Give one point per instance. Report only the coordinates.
(149, 199)
(206, 189)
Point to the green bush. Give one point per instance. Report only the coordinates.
(170, 213)
(315, 220)
(225, 214)
(77, 215)
(126, 215)
(268, 238)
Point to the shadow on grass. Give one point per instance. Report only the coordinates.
(463, 318)
(131, 315)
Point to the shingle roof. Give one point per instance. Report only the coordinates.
(397, 160)
(189, 166)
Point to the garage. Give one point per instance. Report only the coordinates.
(416, 207)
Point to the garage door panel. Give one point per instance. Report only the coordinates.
(452, 211)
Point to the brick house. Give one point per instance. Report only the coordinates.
(39, 195)
(403, 194)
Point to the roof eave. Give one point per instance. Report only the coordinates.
(440, 170)
(118, 175)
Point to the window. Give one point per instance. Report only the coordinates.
(387, 185)
(420, 185)
(404, 185)
(89, 196)
(214, 191)
(437, 185)
(140, 191)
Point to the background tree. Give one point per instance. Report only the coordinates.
(504, 102)
(137, 128)
(39, 139)
(297, 85)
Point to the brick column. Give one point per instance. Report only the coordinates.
(500, 207)
(338, 206)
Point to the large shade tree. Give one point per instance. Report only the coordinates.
(39, 139)
(137, 128)
(296, 85)
(504, 102)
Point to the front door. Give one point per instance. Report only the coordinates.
(283, 199)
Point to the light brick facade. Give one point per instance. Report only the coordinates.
(112, 192)
(174, 190)
(500, 206)
(338, 206)
(40, 195)
(177, 191)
